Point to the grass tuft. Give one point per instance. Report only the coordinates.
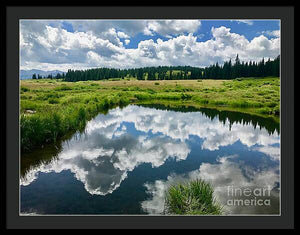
(191, 198)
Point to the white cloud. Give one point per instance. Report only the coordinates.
(97, 27)
(122, 35)
(93, 58)
(147, 49)
(127, 41)
(101, 44)
(248, 22)
(58, 46)
(168, 28)
(274, 33)
(272, 151)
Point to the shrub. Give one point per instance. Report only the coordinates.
(185, 96)
(94, 84)
(63, 88)
(219, 102)
(265, 110)
(24, 89)
(86, 100)
(53, 101)
(49, 96)
(27, 104)
(201, 100)
(142, 96)
(123, 101)
(240, 104)
(276, 110)
(151, 91)
(271, 104)
(168, 96)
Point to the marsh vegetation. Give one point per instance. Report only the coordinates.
(52, 108)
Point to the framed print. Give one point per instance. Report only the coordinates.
(150, 117)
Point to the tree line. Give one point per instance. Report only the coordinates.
(49, 76)
(241, 69)
(229, 70)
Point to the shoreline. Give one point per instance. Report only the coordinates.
(57, 108)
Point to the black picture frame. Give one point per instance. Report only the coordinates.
(11, 161)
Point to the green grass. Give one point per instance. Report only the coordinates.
(58, 113)
(191, 198)
(57, 103)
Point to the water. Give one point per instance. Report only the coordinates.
(124, 161)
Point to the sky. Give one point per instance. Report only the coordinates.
(83, 44)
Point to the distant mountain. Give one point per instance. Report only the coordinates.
(27, 74)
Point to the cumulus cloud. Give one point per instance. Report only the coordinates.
(58, 46)
(101, 44)
(274, 33)
(147, 49)
(97, 27)
(93, 58)
(167, 28)
(122, 35)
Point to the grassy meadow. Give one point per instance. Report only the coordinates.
(51, 109)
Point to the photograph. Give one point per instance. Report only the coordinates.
(164, 117)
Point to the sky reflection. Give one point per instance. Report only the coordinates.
(115, 144)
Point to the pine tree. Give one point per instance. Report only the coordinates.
(237, 67)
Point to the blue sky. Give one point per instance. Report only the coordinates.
(204, 32)
(82, 44)
(249, 31)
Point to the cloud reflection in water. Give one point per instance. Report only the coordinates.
(116, 143)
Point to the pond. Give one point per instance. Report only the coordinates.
(124, 161)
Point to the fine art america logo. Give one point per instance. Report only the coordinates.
(249, 196)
